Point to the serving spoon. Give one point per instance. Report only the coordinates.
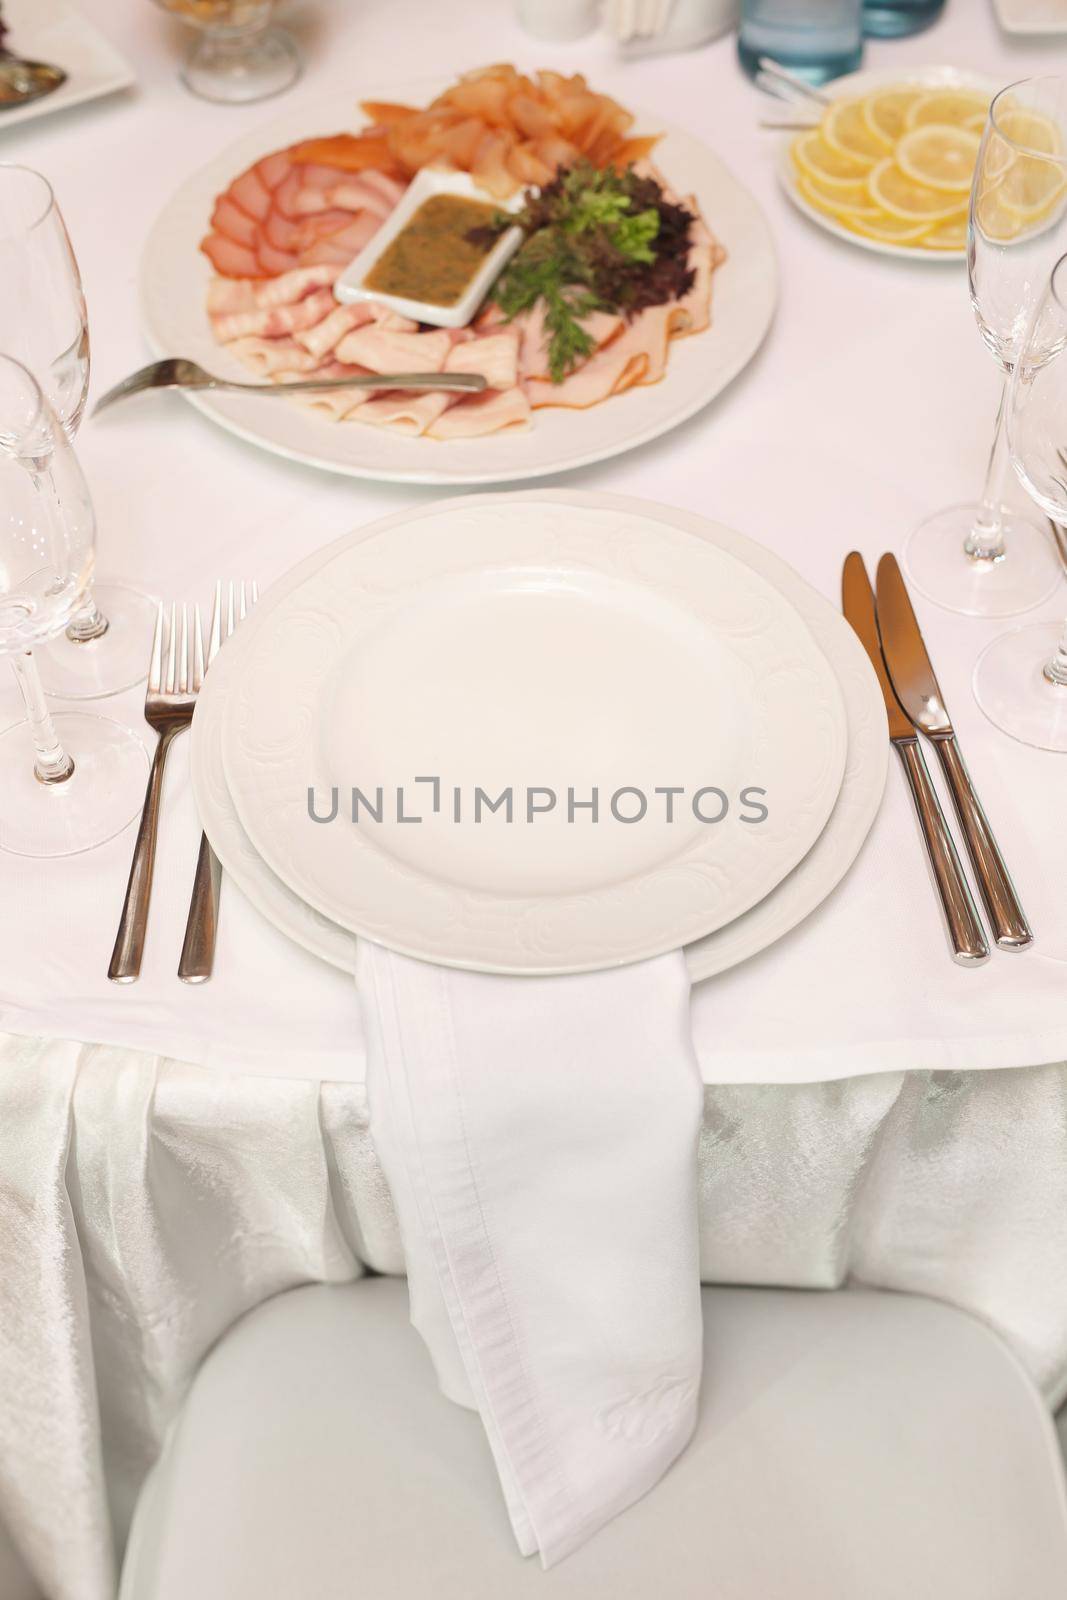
(22, 81)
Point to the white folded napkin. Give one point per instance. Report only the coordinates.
(540, 1138)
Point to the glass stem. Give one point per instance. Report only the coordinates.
(1055, 669)
(985, 542)
(51, 762)
(88, 623)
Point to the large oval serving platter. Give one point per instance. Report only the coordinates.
(174, 278)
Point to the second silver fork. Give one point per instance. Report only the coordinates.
(168, 708)
(201, 927)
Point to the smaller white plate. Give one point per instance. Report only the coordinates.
(860, 83)
(1032, 16)
(52, 31)
(351, 285)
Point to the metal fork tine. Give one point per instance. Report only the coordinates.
(198, 649)
(243, 609)
(216, 624)
(155, 670)
(170, 685)
(183, 656)
(230, 619)
(255, 592)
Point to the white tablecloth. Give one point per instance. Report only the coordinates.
(146, 1202)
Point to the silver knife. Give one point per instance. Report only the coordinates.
(965, 931)
(912, 676)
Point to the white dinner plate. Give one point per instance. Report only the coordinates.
(799, 893)
(174, 278)
(860, 83)
(52, 31)
(1032, 16)
(536, 649)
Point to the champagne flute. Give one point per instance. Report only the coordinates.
(987, 560)
(1020, 680)
(82, 779)
(107, 643)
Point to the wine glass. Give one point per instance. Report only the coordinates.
(987, 560)
(1020, 680)
(238, 56)
(107, 644)
(83, 779)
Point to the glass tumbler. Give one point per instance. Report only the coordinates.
(817, 39)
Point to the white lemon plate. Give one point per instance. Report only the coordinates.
(1031, 16)
(173, 284)
(671, 876)
(851, 87)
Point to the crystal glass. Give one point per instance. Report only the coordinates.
(69, 782)
(818, 39)
(987, 560)
(1020, 680)
(43, 324)
(238, 55)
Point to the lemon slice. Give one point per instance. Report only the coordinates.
(953, 106)
(849, 195)
(947, 235)
(1034, 133)
(884, 113)
(976, 123)
(845, 130)
(817, 159)
(1030, 187)
(832, 206)
(939, 155)
(914, 202)
(994, 221)
(887, 229)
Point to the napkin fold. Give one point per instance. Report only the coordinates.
(540, 1139)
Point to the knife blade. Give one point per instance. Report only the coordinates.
(912, 675)
(965, 931)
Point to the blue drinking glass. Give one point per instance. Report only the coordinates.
(819, 39)
(891, 19)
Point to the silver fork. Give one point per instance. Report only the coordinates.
(177, 372)
(202, 923)
(168, 708)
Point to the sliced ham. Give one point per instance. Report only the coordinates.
(482, 413)
(285, 234)
(496, 357)
(325, 253)
(385, 351)
(228, 218)
(274, 322)
(639, 355)
(289, 287)
(601, 326)
(273, 169)
(231, 259)
(322, 339)
(268, 358)
(251, 194)
(350, 195)
(358, 232)
(390, 189)
(275, 262)
(404, 411)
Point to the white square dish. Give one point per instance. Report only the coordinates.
(349, 287)
(51, 30)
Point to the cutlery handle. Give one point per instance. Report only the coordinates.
(129, 943)
(1006, 917)
(198, 951)
(965, 931)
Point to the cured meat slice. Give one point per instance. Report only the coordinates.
(274, 322)
(322, 339)
(384, 351)
(481, 414)
(404, 411)
(268, 358)
(228, 218)
(233, 260)
(251, 194)
(275, 261)
(496, 357)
